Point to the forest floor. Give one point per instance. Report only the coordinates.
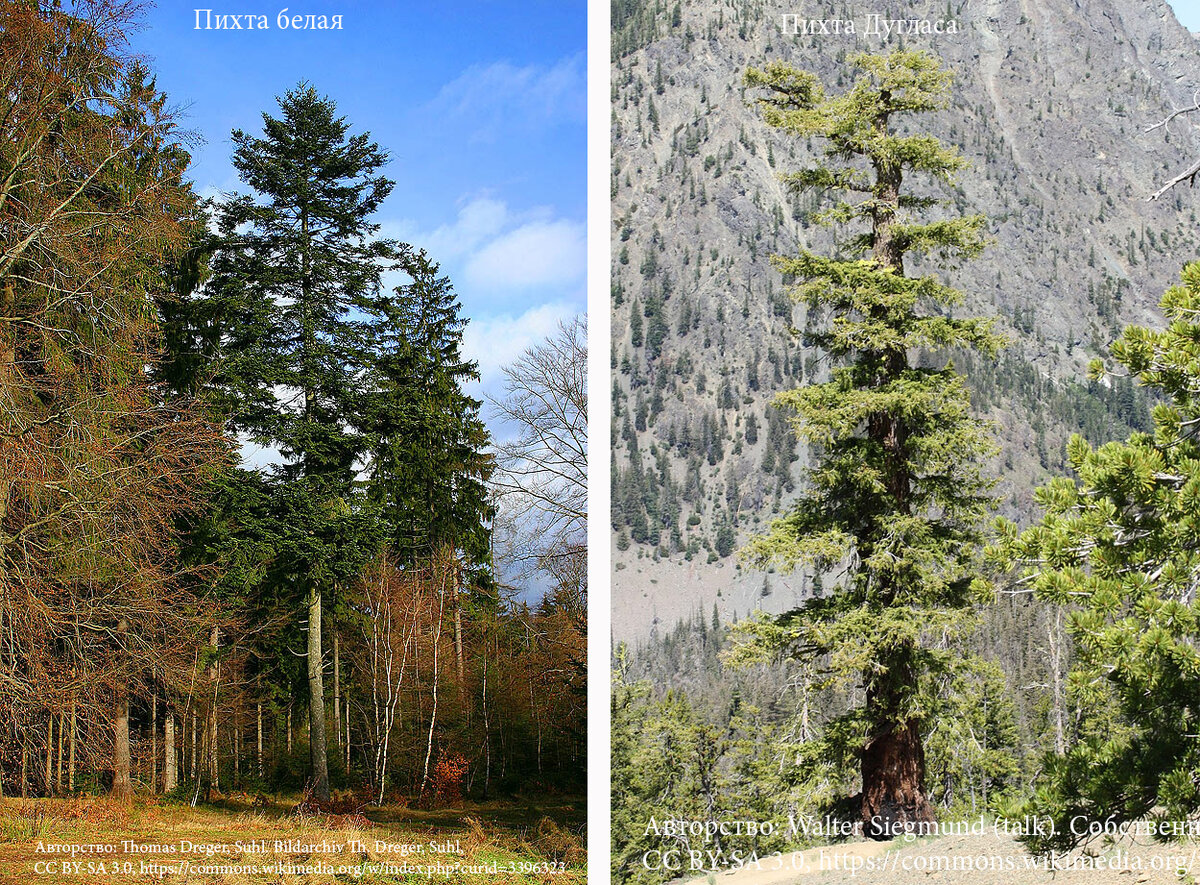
(101, 841)
(988, 859)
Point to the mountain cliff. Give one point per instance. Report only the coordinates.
(1052, 101)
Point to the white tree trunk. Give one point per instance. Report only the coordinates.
(170, 772)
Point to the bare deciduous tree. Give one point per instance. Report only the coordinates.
(392, 604)
(543, 467)
(1189, 174)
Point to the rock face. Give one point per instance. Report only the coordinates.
(1051, 102)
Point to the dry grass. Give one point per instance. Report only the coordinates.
(558, 843)
(363, 850)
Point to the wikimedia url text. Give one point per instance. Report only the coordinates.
(895, 860)
(151, 869)
(208, 20)
(159, 870)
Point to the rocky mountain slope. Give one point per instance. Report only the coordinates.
(1051, 102)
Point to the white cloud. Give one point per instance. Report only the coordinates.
(540, 253)
(479, 220)
(497, 341)
(494, 251)
(502, 95)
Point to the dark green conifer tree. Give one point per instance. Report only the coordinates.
(296, 288)
(428, 469)
(895, 498)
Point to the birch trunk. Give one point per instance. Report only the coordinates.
(260, 745)
(169, 762)
(437, 639)
(50, 755)
(71, 764)
(62, 721)
(154, 741)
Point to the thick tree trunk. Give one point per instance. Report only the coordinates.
(893, 761)
(211, 731)
(316, 702)
(170, 771)
(1055, 631)
(893, 776)
(122, 787)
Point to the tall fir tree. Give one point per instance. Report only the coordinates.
(1116, 548)
(296, 287)
(896, 496)
(428, 469)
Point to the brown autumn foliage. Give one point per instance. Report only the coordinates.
(405, 612)
(96, 461)
(513, 712)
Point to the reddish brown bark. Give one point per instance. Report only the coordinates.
(893, 775)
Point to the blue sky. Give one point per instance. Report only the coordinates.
(1188, 13)
(481, 105)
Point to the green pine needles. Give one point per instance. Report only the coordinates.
(896, 497)
(1119, 549)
